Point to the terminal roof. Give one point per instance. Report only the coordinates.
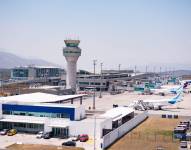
(39, 98)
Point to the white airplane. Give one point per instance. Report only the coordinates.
(168, 90)
(156, 104)
(185, 83)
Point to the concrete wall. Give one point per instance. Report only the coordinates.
(111, 137)
(80, 113)
(87, 126)
(46, 126)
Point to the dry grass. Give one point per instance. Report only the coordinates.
(39, 147)
(153, 133)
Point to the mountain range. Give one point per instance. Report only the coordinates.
(9, 60)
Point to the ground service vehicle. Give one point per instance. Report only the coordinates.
(180, 133)
(183, 144)
(182, 125)
(187, 123)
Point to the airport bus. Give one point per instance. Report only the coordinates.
(180, 133)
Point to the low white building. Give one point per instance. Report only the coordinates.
(102, 124)
(39, 112)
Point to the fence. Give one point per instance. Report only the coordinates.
(112, 136)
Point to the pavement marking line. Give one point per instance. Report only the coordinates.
(90, 141)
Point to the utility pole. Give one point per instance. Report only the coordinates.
(94, 63)
(146, 68)
(135, 70)
(160, 76)
(1, 83)
(154, 68)
(94, 132)
(100, 94)
(119, 67)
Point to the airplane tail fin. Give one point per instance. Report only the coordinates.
(180, 89)
(176, 99)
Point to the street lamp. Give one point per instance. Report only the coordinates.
(1, 80)
(100, 95)
(94, 63)
(94, 132)
(146, 68)
(119, 67)
(135, 70)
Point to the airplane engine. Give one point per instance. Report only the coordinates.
(156, 107)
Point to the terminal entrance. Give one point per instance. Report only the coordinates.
(61, 132)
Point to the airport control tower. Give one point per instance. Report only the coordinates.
(71, 53)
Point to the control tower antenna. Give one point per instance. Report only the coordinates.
(71, 53)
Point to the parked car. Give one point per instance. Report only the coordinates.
(183, 144)
(12, 132)
(76, 138)
(4, 131)
(83, 138)
(69, 143)
(47, 135)
(39, 134)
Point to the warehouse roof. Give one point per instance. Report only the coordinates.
(39, 98)
(117, 113)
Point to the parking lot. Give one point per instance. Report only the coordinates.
(27, 139)
(31, 139)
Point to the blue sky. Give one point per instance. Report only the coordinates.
(128, 32)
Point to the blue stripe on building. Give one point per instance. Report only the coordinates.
(43, 109)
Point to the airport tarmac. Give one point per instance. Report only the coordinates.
(182, 108)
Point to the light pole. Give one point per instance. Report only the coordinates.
(100, 95)
(94, 132)
(1, 83)
(119, 67)
(135, 70)
(146, 68)
(94, 63)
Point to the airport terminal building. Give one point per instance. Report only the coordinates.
(36, 72)
(45, 115)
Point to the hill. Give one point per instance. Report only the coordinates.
(9, 60)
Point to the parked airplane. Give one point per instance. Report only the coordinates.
(156, 104)
(185, 83)
(167, 90)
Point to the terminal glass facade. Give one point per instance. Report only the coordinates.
(20, 73)
(39, 111)
(37, 114)
(47, 72)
